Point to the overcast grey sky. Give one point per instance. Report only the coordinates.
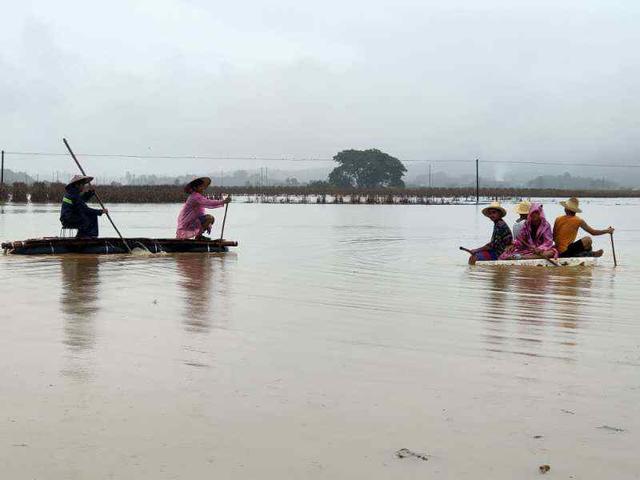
(550, 80)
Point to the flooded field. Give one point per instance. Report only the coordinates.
(328, 340)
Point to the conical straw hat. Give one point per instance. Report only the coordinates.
(79, 179)
(189, 186)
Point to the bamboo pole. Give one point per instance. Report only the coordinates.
(613, 250)
(96, 194)
(224, 220)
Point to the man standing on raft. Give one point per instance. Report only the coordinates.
(192, 220)
(565, 232)
(75, 213)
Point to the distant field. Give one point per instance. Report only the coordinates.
(53, 192)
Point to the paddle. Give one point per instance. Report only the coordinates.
(613, 250)
(96, 194)
(552, 262)
(539, 255)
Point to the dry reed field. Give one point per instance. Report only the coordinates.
(41, 192)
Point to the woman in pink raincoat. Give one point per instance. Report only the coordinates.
(535, 238)
(192, 220)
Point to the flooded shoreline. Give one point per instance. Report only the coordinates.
(47, 192)
(329, 341)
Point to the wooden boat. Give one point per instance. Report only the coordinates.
(540, 262)
(58, 246)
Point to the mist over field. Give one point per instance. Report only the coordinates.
(435, 81)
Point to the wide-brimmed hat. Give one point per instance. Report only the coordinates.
(572, 204)
(494, 206)
(523, 207)
(79, 179)
(189, 186)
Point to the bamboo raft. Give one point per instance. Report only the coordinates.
(108, 246)
(540, 262)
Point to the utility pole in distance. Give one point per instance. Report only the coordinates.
(477, 182)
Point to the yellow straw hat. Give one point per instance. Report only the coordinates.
(572, 204)
(494, 206)
(523, 207)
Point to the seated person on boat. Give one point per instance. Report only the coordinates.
(75, 213)
(565, 232)
(522, 209)
(192, 220)
(500, 239)
(535, 239)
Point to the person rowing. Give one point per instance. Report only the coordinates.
(500, 239)
(565, 232)
(75, 213)
(535, 239)
(192, 220)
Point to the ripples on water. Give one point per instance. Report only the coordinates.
(366, 287)
(375, 270)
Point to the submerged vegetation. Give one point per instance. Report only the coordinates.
(320, 192)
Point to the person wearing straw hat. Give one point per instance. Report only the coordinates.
(192, 220)
(522, 209)
(501, 238)
(75, 213)
(565, 232)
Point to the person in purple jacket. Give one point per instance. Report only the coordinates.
(192, 220)
(535, 239)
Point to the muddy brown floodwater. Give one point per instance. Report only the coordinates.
(332, 338)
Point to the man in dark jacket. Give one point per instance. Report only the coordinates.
(75, 213)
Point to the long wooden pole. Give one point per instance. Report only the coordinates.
(613, 249)
(224, 220)
(96, 194)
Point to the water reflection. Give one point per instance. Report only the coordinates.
(78, 299)
(196, 279)
(202, 280)
(533, 311)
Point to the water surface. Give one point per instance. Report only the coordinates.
(333, 336)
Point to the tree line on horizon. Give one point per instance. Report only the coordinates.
(357, 169)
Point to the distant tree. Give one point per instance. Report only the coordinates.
(566, 180)
(291, 181)
(367, 169)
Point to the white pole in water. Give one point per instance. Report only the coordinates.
(477, 182)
